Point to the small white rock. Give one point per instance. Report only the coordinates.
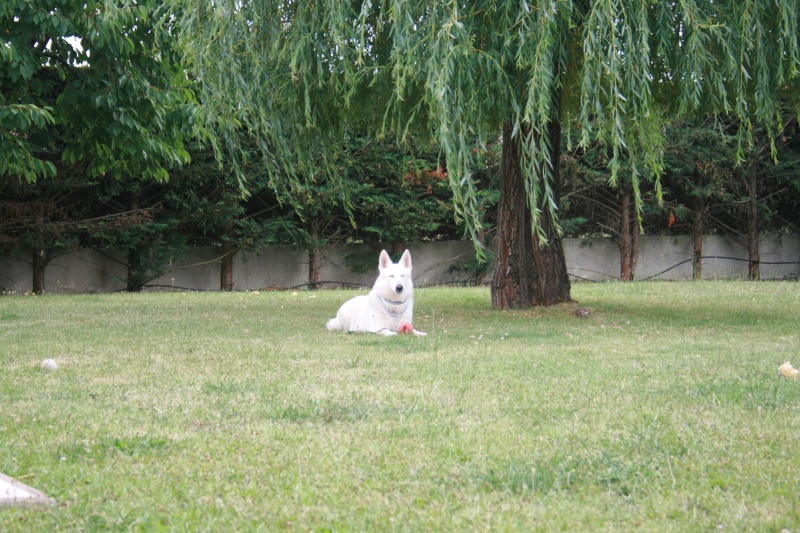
(50, 365)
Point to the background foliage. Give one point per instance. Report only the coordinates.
(99, 121)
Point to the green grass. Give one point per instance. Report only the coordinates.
(662, 411)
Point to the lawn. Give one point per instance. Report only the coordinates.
(661, 411)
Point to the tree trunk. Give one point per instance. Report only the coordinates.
(753, 253)
(39, 260)
(697, 233)
(625, 235)
(315, 254)
(525, 272)
(396, 248)
(552, 281)
(38, 264)
(634, 241)
(512, 276)
(226, 266)
(314, 267)
(135, 281)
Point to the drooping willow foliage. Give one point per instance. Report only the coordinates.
(300, 74)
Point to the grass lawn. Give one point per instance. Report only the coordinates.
(661, 411)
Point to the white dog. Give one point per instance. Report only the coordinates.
(389, 304)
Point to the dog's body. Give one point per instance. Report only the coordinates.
(389, 303)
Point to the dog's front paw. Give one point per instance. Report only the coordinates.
(387, 333)
(419, 333)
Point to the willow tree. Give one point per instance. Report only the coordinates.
(299, 74)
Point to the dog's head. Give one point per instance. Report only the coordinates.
(396, 277)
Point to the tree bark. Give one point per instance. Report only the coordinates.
(526, 272)
(314, 267)
(754, 255)
(513, 275)
(135, 281)
(697, 234)
(315, 254)
(38, 264)
(552, 281)
(634, 241)
(625, 235)
(226, 266)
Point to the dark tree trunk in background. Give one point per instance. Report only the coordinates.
(38, 264)
(314, 267)
(753, 253)
(135, 281)
(634, 241)
(525, 272)
(697, 234)
(315, 254)
(628, 236)
(39, 259)
(226, 266)
(625, 235)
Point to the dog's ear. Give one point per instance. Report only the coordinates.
(384, 260)
(406, 260)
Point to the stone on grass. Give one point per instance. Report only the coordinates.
(14, 493)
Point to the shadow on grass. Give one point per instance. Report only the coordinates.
(108, 447)
(749, 392)
(534, 477)
(329, 412)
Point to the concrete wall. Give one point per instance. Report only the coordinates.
(287, 266)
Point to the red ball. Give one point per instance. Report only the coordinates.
(405, 327)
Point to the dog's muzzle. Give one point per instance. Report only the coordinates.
(398, 289)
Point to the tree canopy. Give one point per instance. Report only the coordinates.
(93, 84)
(295, 80)
(297, 74)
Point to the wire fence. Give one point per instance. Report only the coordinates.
(342, 284)
(692, 259)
